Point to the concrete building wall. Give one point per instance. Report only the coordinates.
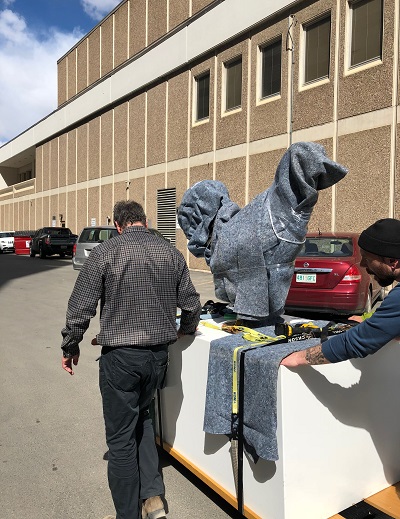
(150, 140)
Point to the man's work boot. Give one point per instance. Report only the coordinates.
(153, 508)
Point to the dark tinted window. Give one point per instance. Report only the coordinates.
(324, 246)
(58, 232)
(317, 50)
(366, 31)
(271, 69)
(234, 84)
(203, 96)
(96, 235)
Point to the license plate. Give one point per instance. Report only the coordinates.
(306, 278)
(63, 246)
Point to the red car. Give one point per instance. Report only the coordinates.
(328, 276)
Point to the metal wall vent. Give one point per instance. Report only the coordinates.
(166, 213)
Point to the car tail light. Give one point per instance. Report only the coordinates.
(47, 240)
(353, 275)
(74, 250)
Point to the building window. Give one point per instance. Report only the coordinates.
(271, 61)
(233, 78)
(317, 50)
(366, 31)
(202, 85)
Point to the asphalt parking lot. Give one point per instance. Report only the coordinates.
(52, 444)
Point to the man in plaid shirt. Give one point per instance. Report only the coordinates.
(140, 281)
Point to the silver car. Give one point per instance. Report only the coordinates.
(87, 240)
(90, 237)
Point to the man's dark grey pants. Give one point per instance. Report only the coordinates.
(128, 380)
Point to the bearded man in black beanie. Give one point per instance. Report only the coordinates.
(380, 251)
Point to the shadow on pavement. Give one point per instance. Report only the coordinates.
(13, 266)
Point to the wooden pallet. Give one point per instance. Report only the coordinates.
(382, 505)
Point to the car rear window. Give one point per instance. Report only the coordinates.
(323, 246)
(58, 232)
(96, 235)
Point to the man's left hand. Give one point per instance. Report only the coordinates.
(66, 363)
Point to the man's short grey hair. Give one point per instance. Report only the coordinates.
(128, 212)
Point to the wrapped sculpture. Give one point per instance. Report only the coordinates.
(251, 251)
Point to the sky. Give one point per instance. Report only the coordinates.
(34, 34)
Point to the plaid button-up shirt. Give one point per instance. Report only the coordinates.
(140, 280)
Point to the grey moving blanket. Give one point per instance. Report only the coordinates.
(251, 251)
(260, 383)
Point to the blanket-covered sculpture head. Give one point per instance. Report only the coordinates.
(251, 251)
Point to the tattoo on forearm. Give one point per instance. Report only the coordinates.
(315, 356)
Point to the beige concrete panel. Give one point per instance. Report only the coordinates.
(178, 12)
(231, 127)
(17, 217)
(106, 203)
(106, 64)
(106, 154)
(39, 169)
(46, 166)
(397, 178)
(70, 220)
(81, 204)
(178, 117)
(313, 106)
(62, 207)
(321, 217)
(121, 41)
(233, 174)
(177, 180)
(157, 19)
(62, 158)
(197, 264)
(154, 183)
(262, 168)
(121, 138)
(18, 194)
(71, 161)
(137, 190)
(94, 149)
(46, 216)
(53, 205)
(201, 135)
(82, 65)
(32, 216)
(137, 26)
(198, 173)
(94, 55)
(363, 195)
(120, 191)
(54, 163)
(62, 81)
(156, 125)
(71, 68)
(137, 115)
(269, 116)
(370, 88)
(93, 205)
(197, 5)
(25, 212)
(82, 153)
(181, 243)
(38, 212)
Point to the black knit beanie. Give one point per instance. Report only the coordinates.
(382, 238)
